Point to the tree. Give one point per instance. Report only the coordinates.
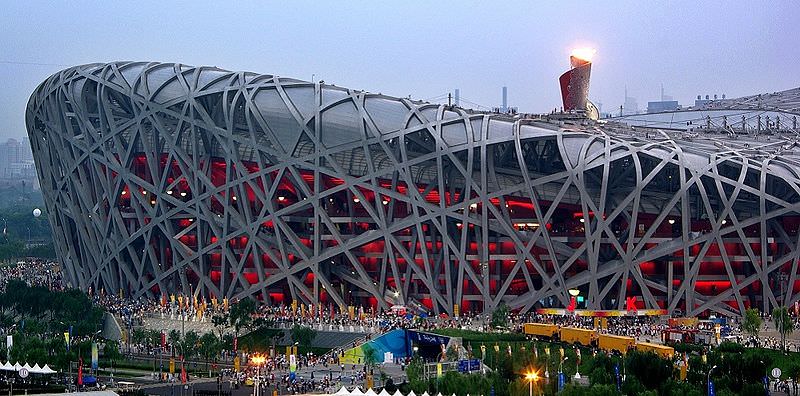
(220, 322)
(241, 314)
(783, 322)
(303, 335)
(500, 316)
(174, 338)
(111, 351)
(369, 355)
(210, 347)
(651, 370)
(752, 322)
(190, 344)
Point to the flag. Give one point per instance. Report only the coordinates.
(94, 356)
(683, 368)
(536, 351)
(235, 344)
(10, 343)
(561, 352)
(578, 357)
(497, 347)
(80, 371)
(183, 372)
(547, 352)
(163, 340)
(66, 338)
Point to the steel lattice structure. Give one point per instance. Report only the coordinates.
(166, 177)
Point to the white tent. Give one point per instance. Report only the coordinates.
(17, 366)
(411, 393)
(27, 367)
(425, 394)
(370, 392)
(342, 391)
(47, 370)
(384, 393)
(36, 369)
(397, 393)
(357, 391)
(7, 367)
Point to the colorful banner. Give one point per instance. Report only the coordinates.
(94, 356)
(601, 313)
(80, 371)
(396, 341)
(10, 342)
(172, 365)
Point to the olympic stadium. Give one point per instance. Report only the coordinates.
(162, 178)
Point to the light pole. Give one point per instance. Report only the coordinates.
(561, 365)
(708, 379)
(531, 377)
(782, 277)
(258, 360)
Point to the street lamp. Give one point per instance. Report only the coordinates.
(531, 377)
(258, 360)
(561, 365)
(708, 379)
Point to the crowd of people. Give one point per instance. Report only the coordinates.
(134, 312)
(35, 272)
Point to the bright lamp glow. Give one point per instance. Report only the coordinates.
(583, 53)
(574, 292)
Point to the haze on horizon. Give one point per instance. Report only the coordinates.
(417, 48)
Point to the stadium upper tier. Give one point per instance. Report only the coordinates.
(763, 114)
(163, 178)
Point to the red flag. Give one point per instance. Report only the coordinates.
(183, 373)
(163, 341)
(80, 371)
(235, 344)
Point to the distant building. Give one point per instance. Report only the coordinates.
(662, 106)
(630, 107)
(16, 164)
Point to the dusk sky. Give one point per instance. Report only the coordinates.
(422, 49)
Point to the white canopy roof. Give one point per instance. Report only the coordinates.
(36, 369)
(370, 392)
(397, 393)
(384, 393)
(357, 391)
(342, 391)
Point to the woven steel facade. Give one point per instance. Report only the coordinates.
(164, 178)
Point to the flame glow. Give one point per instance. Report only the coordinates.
(583, 53)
